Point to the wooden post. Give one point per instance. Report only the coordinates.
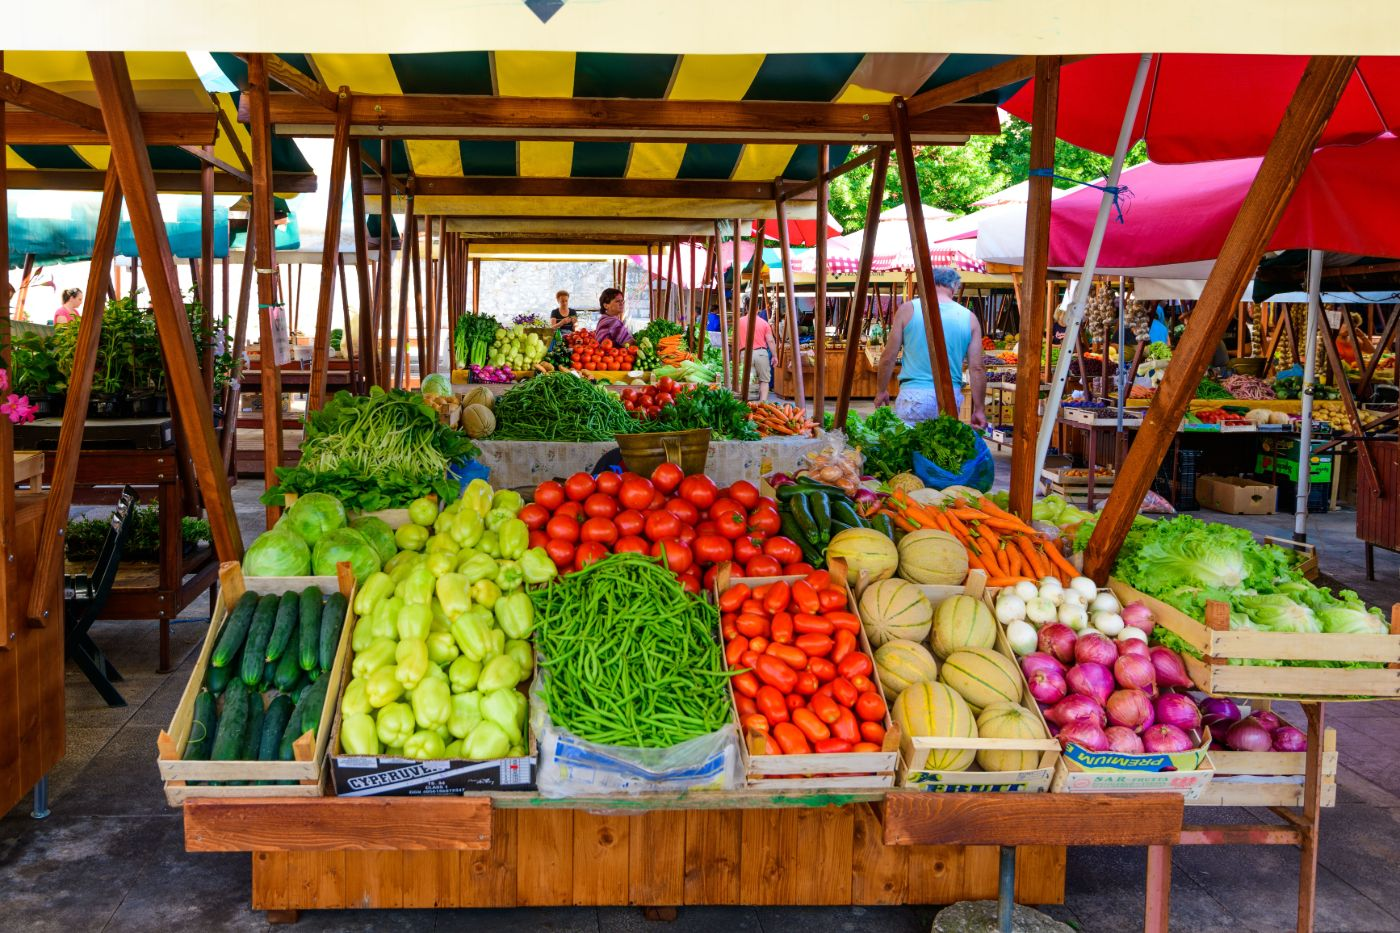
(196, 418)
(1283, 164)
(206, 270)
(819, 310)
(1034, 297)
(385, 305)
(690, 297)
(736, 302)
(48, 562)
(723, 307)
(753, 310)
(867, 259)
(348, 341)
(228, 444)
(1365, 454)
(438, 289)
(1387, 330)
(8, 566)
(476, 286)
(418, 322)
(923, 263)
(785, 246)
(330, 252)
(406, 258)
(368, 359)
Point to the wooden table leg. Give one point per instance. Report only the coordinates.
(1312, 819)
(283, 916)
(172, 560)
(1370, 561)
(1159, 889)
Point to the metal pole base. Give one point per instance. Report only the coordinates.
(41, 800)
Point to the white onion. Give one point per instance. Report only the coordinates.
(1040, 610)
(1051, 583)
(1071, 598)
(1026, 590)
(1051, 590)
(1010, 608)
(1129, 633)
(1105, 602)
(1074, 617)
(1085, 587)
(1022, 637)
(1110, 623)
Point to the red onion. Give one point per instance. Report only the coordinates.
(1047, 686)
(1164, 737)
(1090, 680)
(1218, 746)
(1137, 615)
(1133, 646)
(1248, 735)
(1040, 661)
(1179, 710)
(1135, 672)
(1058, 640)
(1268, 719)
(1076, 708)
(1219, 711)
(1130, 708)
(1123, 740)
(1084, 734)
(1289, 739)
(1170, 671)
(1091, 647)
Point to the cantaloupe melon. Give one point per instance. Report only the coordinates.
(981, 676)
(895, 609)
(930, 709)
(1008, 721)
(478, 421)
(865, 551)
(932, 556)
(901, 664)
(962, 622)
(479, 395)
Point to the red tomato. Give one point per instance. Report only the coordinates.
(686, 535)
(560, 551)
(762, 566)
(570, 509)
(690, 582)
(784, 550)
(870, 707)
(589, 552)
(534, 516)
(599, 529)
(730, 522)
(712, 549)
(667, 476)
(538, 539)
(662, 525)
(579, 486)
(765, 521)
(549, 494)
(599, 505)
(666, 384)
(631, 544)
(707, 527)
(609, 483)
(721, 504)
(562, 528)
(677, 556)
(745, 550)
(635, 494)
(629, 522)
(766, 502)
(832, 598)
(658, 501)
(684, 510)
(744, 493)
(710, 576)
(797, 569)
(699, 490)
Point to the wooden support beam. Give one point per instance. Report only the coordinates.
(867, 259)
(226, 181)
(39, 99)
(923, 264)
(405, 261)
(330, 249)
(988, 79)
(193, 409)
(1284, 162)
(1379, 347)
(1034, 294)
(753, 310)
(8, 565)
(476, 286)
(1365, 454)
(293, 80)
(736, 293)
(361, 232)
(161, 129)
(723, 306)
(26, 276)
(384, 306)
(265, 256)
(819, 310)
(418, 320)
(206, 272)
(789, 191)
(206, 155)
(226, 127)
(492, 186)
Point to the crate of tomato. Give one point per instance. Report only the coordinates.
(809, 707)
(586, 352)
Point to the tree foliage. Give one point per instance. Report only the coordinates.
(956, 177)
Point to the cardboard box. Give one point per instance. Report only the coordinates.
(1236, 495)
(1084, 772)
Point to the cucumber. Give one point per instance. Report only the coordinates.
(284, 628)
(844, 511)
(269, 673)
(882, 523)
(310, 628)
(252, 736)
(801, 509)
(258, 634)
(279, 712)
(332, 620)
(293, 730)
(804, 486)
(811, 553)
(235, 629)
(217, 679)
(288, 672)
(821, 511)
(201, 738)
(312, 705)
(233, 722)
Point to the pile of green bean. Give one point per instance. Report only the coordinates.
(630, 658)
(560, 407)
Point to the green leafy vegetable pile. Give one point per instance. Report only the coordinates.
(1157, 350)
(1209, 388)
(376, 451)
(472, 338)
(560, 407)
(711, 407)
(888, 444)
(657, 329)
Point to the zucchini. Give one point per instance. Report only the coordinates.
(233, 722)
(258, 634)
(235, 629)
(801, 509)
(217, 678)
(332, 620)
(252, 736)
(844, 511)
(821, 511)
(310, 629)
(313, 704)
(810, 553)
(284, 628)
(293, 730)
(201, 738)
(881, 523)
(288, 672)
(279, 712)
(804, 486)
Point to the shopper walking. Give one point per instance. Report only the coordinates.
(962, 335)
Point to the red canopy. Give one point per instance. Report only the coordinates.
(1201, 107)
(800, 232)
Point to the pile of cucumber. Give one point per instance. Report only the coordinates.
(267, 678)
(812, 513)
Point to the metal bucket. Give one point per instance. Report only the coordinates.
(642, 453)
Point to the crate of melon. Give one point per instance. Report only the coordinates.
(809, 707)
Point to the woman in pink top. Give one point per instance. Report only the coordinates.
(68, 311)
(610, 326)
(765, 350)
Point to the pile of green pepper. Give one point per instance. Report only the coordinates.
(629, 657)
(812, 513)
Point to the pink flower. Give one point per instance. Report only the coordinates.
(4, 380)
(18, 409)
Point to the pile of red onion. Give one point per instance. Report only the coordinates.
(1263, 731)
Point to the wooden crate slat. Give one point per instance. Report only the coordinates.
(331, 823)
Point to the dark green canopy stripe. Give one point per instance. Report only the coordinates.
(600, 160)
(444, 73)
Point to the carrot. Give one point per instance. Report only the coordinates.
(1058, 560)
(1003, 561)
(1006, 581)
(956, 524)
(1000, 514)
(901, 522)
(1014, 558)
(970, 514)
(1034, 564)
(977, 559)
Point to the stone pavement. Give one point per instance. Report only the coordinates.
(111, 856)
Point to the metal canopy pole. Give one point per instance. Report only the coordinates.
(1300, 517)
(1086, 277)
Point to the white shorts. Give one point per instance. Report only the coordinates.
(913, 405)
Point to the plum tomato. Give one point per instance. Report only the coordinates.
(580, 486)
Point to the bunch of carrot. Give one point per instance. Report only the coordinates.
(998, 542)
(671, 350)
(771, 418)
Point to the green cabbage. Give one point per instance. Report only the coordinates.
(378, 533)
(436, 384)
(314, 514)
(344, 544)
(277, 553)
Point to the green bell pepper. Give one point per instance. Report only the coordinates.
(441, 562)
(499, 673)
(395, 724)
(453, 750)
(377, 655)
(410, 537)
(412, 658)
(441, 621)
(489, 543)
(500, 707)
(466, 714)
(524, 655)
(516, 614)
(452, 592)
(418, 588)
(363, 635)
(496, 518)
(475, 569)
(485, 593)
(509, 576)
(432, 703)
(538, 567)
(436, 672)
(358, 735)
(463, 674)
(423, 511)
(401, 558)
(401, 572)
(477, 497)
(356, 698)
(439, 544)
(378, 586)
(472, 632)
(514, 538)
(498, 643)
(466, 528)
(488, 740)
(507, 499)
(442, 649)
(414, 621)
(382, 620)
(383, 688)
(424, 746)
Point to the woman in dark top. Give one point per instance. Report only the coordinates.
(563, 317)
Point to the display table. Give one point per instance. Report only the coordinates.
(864, 384)
(29, 468)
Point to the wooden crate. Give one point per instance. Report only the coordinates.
(1218, 646)
(1307, 554)
(1268, 779)
(1060, 476)
(308, 768)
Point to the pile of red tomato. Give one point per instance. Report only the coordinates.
(585, 352)
(808, 687)
(646, 401)
(687, 520)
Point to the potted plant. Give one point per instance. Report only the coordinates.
(34, 372)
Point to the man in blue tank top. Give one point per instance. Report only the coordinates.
(918, 400)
